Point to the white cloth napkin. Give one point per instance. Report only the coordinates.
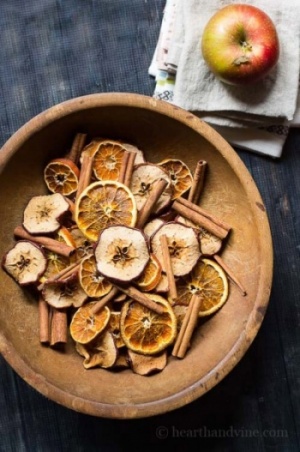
(261, 126)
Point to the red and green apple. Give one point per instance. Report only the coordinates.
(240, 44)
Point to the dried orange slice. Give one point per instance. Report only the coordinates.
(85, 325)
(107, 160)
(103, 204)
(78, 237)
(55, 263)
(93, 146)
(144, 331)
(151, 275)
(94, 285)
(61, 176)
(83, 246)
(180, 175)
(114, 328)
(65, 236)
(208, 280)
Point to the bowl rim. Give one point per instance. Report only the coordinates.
(229, 361)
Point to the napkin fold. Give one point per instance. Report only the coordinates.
(256, 118)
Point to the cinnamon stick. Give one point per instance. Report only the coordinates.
(47, 242)
(204, 212)
(182, 330)
(156, 192)
(198, 181)
(62, 275)
(129, 168)
(123, 168)
(187, 328)
(167, 266)
(200, 219)
(77, 146)
(71, 205)
(85, 174)
(103, 302)
(59, 327)
(44, 321)
(142, 298)
(230, 274)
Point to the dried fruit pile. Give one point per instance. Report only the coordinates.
(121, 255)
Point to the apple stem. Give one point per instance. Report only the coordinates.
(246, 45)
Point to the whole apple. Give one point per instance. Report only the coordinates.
(240, 44)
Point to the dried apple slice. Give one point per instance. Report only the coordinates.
(121, 253)
(122, 361)
(147, 365)
(139, 158)
(25, 262)
(143, 178)
(152, 226)
(183, 247)
(102, 352)
(42, 213)
(180, 312)
(64, 294)
(114, 328)
(209, 243)
(163, 285)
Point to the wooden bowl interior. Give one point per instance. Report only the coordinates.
(229, 193)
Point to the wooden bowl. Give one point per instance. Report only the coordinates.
(160, 130)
